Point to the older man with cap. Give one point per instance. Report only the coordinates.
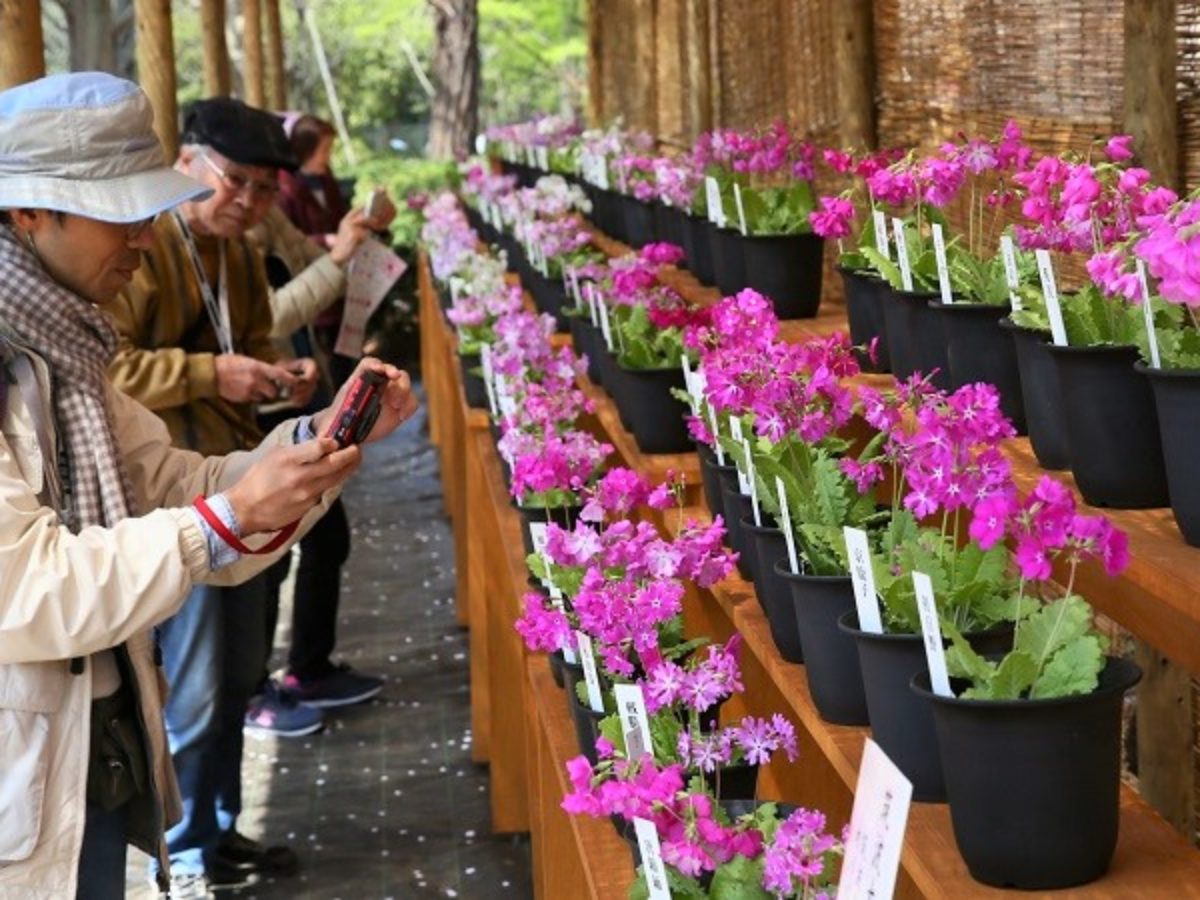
(195, 327)
(100, 537)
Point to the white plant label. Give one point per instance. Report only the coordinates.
(862, 577)
(530, 157)
(1058, 329)
(1009, 255)
(939, 252)
(881, 231)
(741, 210)
(785, 523)
(931, 634)
(902, 255)
(753, 481)
(480, 144)
(1151, 335)
(716, 431)
(588, 657)
(712, 193)
(735, 431)
(877, 825)
(489, 380)
(635, 724)
(653, 867)
(573, 287)
(689, 384)
(590, 294)
(605, 325)
(543, 158)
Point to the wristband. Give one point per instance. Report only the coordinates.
(223, 532)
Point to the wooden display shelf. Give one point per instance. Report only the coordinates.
(575, 857)
(1151, 859)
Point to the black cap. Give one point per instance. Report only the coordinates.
(240, 133)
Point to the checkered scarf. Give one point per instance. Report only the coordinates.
(77, 341)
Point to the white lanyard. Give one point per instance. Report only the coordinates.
(216, 307)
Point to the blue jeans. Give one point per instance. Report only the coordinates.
(213, 657)
(102, 860)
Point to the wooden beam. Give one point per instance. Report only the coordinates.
(717, 114)
(276, 70)
(1165, 737)
(596, 112)
(156, 68)
(252, 72)
(854, 65)
(1151, 114)
(216, 53)
(698, 74)
(21, 50)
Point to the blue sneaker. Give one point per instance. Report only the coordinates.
(277, 712)
(341, 687)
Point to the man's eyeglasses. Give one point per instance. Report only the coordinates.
(259, 190)
(135, 231)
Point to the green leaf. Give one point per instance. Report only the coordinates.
(1014, 675)
(1053, 626)
(610, 730)
(739, 879)
(1073, 669)
(884, 267)
(963, 662)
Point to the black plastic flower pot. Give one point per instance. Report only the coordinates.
(728, 258)
(835, 678)
(830, 656)
(699, 251)
(612, 376)
(902, 720)
(738, 782)
(1041, 395)
(669, 226)
(610, 214)
(788, 269)
(1034, 785)
(562, 516)
(550, 297)
(556, 667)
(924, 334)
(978, 350)
(571, 673)
(473, 385)
(639, 223)
(768, 546)
(1177, 398)
(904, 354)
(587, 722)
(719, 474)
(865, 295)
(585, 339)
(737, 507)
(1112, 427)
(710, 479)
(658, 418)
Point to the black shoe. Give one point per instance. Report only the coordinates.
(238, 853)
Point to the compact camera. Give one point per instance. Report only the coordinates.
(358, 412)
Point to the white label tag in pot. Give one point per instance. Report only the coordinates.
(489, 380)
(877, 824)
(1058, 329)
(716, 430)
(939, 253)
(635, 724)
(1009, 255)
(689, 384)
(653, 868)
(573, 286)
(712, 193)
(735, 431)
(1148, 313)
(902, 255)
(543, 158)
(785, 524)
(862, 576)
(605, 325)
(588, 658)
(589, 294)
(881, 231)
(752, 481)
(480, 144)
(741, 210)
(931, 634)
(530, 157)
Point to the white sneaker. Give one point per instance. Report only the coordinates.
(189, 886)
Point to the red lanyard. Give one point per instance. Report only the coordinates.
(233, 540)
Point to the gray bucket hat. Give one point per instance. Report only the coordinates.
(84, 143)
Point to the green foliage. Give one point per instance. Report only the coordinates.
(1056, 653)
(642, 345)
(681, 886)
(739, 879)
(403, 177)
(978, 280)
(777, 210)
(1178, 348)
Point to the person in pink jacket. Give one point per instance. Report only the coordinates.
(104, 527)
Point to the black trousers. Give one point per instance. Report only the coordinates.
(323, 552)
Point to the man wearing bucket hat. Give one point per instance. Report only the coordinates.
(99, 537)
(195, 325)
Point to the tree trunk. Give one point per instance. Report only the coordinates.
(21, 51)
(455, 113)
(252, 68)
(216, 53)
(91, 34)
(156, 68)
(276, 70)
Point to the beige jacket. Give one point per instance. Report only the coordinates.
(64, 595)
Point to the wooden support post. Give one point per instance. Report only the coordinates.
(645, 70)
(1151, 114)
(216, 53)
(156, 68)
(854, 55)
(252, 72)
(596, 112)
(21, 52)
(698, 85)
(717, 114)
(1165, 737)
(276, 71)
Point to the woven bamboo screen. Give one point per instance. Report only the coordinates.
(1188, 87)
